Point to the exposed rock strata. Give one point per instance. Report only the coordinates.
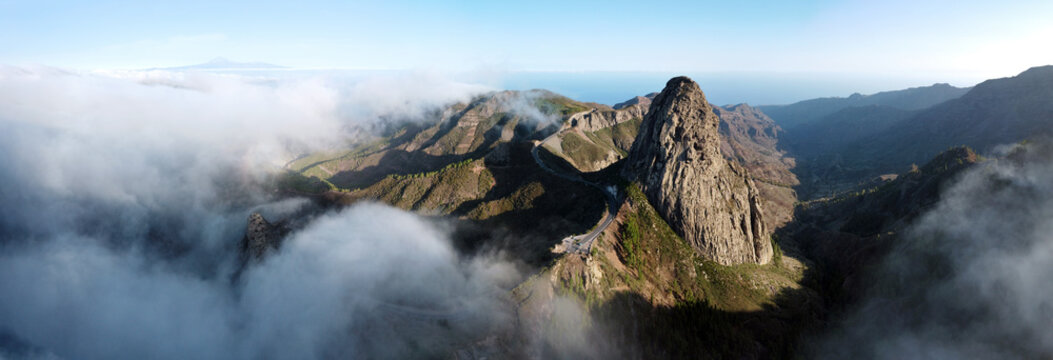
(598, 119)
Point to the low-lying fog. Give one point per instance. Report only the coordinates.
(971, 278)
(124, 199)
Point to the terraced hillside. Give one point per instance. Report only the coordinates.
(469, 161)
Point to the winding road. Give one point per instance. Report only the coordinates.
(582, 244)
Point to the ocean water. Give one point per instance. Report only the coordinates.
(722, 88)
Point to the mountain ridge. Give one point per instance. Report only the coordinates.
(994, 112)
(915, 98)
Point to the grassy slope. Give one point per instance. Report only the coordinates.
(652, 296)
(533, 209)
(597, 145)
(559, 105)
(652, 260)
(581, 152)
(419, 147)
(297, 183)
(439, 191)
(507, 200)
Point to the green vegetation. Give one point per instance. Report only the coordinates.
(559, 105)
(442, 190)
(682, 304)
(878, 209)
(291, 180)
(582, 152)
(622, 135)
(522, 199)
(631, 242)
(776, 252)
(592, 151)
(313, 160)
(660, 262)
(452, 166)
(772, 182)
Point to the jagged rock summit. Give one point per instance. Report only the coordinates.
(710, 202)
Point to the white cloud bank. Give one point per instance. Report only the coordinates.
(370, 281)
(124, 199)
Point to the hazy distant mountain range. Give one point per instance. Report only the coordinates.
(807, 111)
(839, 150)
(224, 64)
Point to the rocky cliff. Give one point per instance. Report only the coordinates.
(260, 237)
(710, 202)
(598, 119)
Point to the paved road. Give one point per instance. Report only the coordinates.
(582, 243)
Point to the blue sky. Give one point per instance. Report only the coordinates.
(957, 41)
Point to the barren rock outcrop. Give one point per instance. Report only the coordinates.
(260, 237)
(604, 118)
(709, 201)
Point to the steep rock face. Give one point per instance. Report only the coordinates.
(710, 202)
(260, 237)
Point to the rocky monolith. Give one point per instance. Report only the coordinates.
(712, 203)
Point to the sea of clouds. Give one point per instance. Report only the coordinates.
(124, 198)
